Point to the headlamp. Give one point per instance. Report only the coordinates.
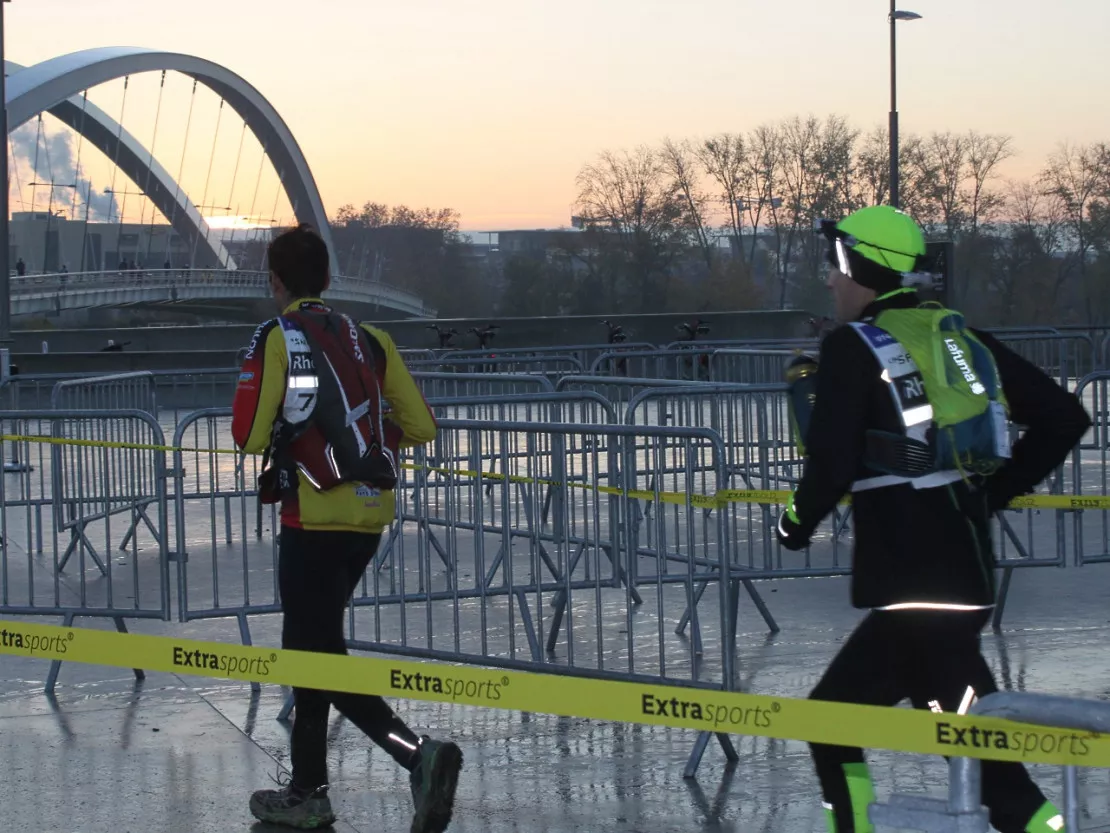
(842, 262)
(838, 253)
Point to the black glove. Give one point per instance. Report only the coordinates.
(789, 531)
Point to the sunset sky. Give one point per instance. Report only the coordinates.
(491, 107)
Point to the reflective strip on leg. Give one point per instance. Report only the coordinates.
(830, 817)
(1047, 820)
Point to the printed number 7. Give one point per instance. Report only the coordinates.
(307, 399)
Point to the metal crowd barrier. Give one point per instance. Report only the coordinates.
(617, 389)
(494, 362)
(411, 354)
(963, 810)
(761, 454)
(562, 406)
(492, 552)
(652, 364)
(1091, 473)
(584, 354)
(755, 367)
(165, 393)
(119, 390)
(511, 571)
(461, 385)
(709, 344)
(1067, 357)
(214, 498)
(220, 525)
(539, 568)
(84, 526)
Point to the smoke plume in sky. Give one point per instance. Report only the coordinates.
(55, 162)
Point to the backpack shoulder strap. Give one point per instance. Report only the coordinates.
(376, 350)
(902, 377)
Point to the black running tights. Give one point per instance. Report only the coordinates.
(930, 657)
(317, 573)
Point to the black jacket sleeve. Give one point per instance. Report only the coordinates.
(1054, 419)
(838, 427)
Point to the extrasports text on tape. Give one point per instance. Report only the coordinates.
(841, 724)
(776, 497)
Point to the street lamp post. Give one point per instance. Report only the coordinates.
(5, 266)
(895, 16)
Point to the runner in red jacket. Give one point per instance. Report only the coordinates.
(329, 535)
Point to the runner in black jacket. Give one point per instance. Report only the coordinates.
(922, 561)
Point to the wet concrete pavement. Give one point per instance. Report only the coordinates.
(183, 754)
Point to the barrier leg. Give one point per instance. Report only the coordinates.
(731, 755)
(121, 626)
(696, 755)
(698, 752)
(1071, 798)
(1000, 604)
(245, 635)
(961, 813)
(529, 627)
(56, 665)
(685, 618)
(286, 708)
(749, 585)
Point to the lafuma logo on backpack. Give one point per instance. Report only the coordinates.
(961, 362)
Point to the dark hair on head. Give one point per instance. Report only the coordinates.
(299, 258)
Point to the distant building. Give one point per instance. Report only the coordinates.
(46, 242)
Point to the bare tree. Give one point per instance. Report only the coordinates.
(817, 170)
(1028, 277)
(1077, 177)
(985, 153)
(871, 180)
(945, 156)
(835, 195)
(764, 202)
(800, 149)
(628, 199)
(723, 158)
(918, 178)
(680, 163)
(763, 173)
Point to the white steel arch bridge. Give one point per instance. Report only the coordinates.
(59, 86)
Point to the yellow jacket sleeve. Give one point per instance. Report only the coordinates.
(261, 389)
(409, 410)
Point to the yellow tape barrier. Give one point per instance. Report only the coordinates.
(717, 500)
(872, 727)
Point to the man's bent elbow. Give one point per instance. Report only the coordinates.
(421, 434)
(1077, 422)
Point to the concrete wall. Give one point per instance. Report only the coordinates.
(179, 347)
(589, 329)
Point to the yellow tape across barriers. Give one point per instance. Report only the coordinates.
(871, 727)
(718, 499)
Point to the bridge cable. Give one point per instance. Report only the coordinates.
(35, 166)
(235, 178)
(257, 184)
(115, 169)
(204, 199)
(34, 183)
(88, 190)
(149, 166)
(77, 166)
(13, 170)
(180, 169)
(273, 217)
(50, 186)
